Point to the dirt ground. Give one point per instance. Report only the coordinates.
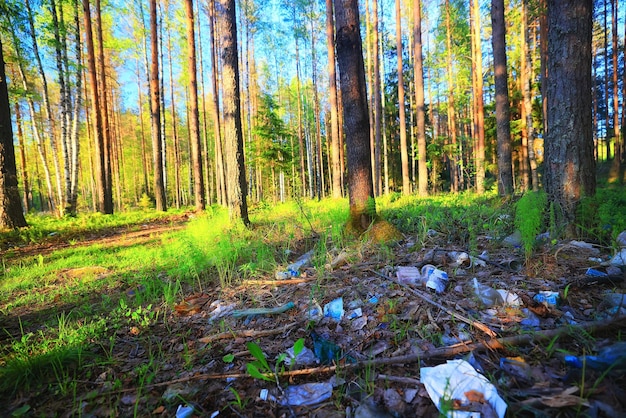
(372, 361)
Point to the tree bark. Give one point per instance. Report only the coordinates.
(194, 121)
(418, 75)
(569, 163)
(155, 113)
(233, 135)
(479, 116)
(452, 128)
(11, 215)
(104, 109)
(404, 151)
(334, 120)
(503, 127)
(356, 120)
(22, 146)
(527, 90)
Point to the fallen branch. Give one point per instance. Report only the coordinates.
(247, 333)
(484, 328)
(280, 282)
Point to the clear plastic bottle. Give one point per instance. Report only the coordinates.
(488, 296)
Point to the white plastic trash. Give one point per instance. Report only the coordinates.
(435, 279)
(452, 380)
(334, 309)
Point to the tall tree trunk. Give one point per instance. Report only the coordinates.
(21, 143)
(378, 107)
(319, 160)
(155, 113)
(479, 117)
(11, 215)
(452, 128)
(569, 163)
(220, 171)
(527, 80)
(404, 152)
(233, 135)
(420, 107)
(104, 109)
(334, 120)
(178, 190)
(356, 120)
(194, 117)
(71, 197)
(503, 127)
(619, 142)
(95, 108)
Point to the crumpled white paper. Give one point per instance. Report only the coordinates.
(455, 378)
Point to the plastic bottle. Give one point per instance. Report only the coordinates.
(488, 296)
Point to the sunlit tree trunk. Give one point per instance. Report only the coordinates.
(217, 121)
(21, 143)
(233, 135)
(479, 108)
(420, 107)
(98, 133)
(155, 113)
(11, 215)
(378, 107)
(356, 120)
(527, 80)
(194, 119)
(104, 110)
(452, 128)
(503, 129)
(404, 152)
(175, 138)
(334, 120)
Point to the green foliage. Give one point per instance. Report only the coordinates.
(529, 215)
(602, 217)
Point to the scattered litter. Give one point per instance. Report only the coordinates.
(184, 411)
(306, 357)
(220, 310)
(408, 275)
(509, 298)
(334, 309)
(531, 320)
(512, 265)
(293, 269)
(487, 296)
(618, 259)
(359, 323)
(615, 300)
(454, 380)
(368, 409)
(314, 312)
(307, 394)
(547, 297)
(514, 240)
(612, 356)
(459, 258)
(595, 273)
(621, 239)
(263, 311)
(357, 313)
(585, 245)
(435, 279)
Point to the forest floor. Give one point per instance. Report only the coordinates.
(369, 363)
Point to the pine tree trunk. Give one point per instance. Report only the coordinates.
(22, 146)
(452, 128)
(420, 107)
(11, 215)
(194, 117)
(404, 152)
(233, 135)
(155, 113)
(569, 163)
(479, 108)
(334, 120)
(503, 128)
(356, 120)
(378, 108)
(527, 78)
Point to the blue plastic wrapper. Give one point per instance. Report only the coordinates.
(551, 298)
(612, 356)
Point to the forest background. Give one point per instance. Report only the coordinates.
(291, 118)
